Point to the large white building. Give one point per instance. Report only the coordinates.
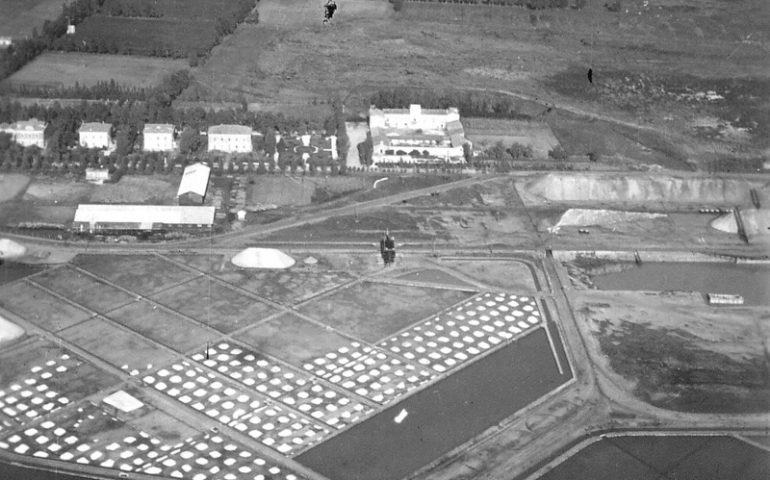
(26, 133)
(416, 135)
(230, 138)
(158, 137)
(95, 135)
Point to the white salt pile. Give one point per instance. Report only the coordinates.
(586, 217)
(262, 258)
(11, 249)
(9, 331)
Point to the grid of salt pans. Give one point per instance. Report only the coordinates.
(456, 336)
(66, 441)
(368, 372)
(273, 426)
(208, 457)
(32, 397)
(293, 388)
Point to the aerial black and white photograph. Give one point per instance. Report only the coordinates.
(385, 239)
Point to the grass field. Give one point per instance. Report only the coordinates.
(293, 339)
(40, 307)
(19, 17)
(12, 185)
(301, 190)
(163, 326)
(372, 311)
(83, 289)
(485, 132)
(66, 68)
(116, 346)
(143, 274)
(509, 276)
(284, 286)
(213, 304)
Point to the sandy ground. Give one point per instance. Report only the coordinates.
(356, 134)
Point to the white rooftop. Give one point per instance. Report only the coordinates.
(229, 130)
(158, 128)
(95, 127)
(195, 179)
(123, 401)
(144, 215)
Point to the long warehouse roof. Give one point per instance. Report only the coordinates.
(144, 215)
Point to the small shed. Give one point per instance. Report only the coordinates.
(97, 175)
(123, 405)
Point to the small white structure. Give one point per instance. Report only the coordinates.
(6, 42)
(97, 175)
(26, 133)
(158, 137)
(724, 299)
(195, 182)
(415, 135)
(96, 135)
(230, 138)
(123, 404)
(93, 218)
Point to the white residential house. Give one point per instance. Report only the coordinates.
(158, 137)
(96, 135)
(26, 133)
(230, 138)
(416, 135)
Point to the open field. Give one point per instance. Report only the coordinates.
(293, 339)
(544, 55)
(509, 276)
(40, 307)
(83, 289)
(19, 17)
(127, 351)
(11, 185)
(143, 274)
(714, 357)
(163, 326)
(302, 190)
(214, 304)
(64, 69)
(435, 276)
(484, 133)
(371, 311)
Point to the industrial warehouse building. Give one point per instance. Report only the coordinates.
(131, 218)
(195, 182)
(415, 135)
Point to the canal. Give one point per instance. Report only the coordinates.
(444, 415)
(750, 281)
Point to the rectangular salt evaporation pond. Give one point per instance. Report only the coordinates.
(14, 472)
(442, 416)
(750, 281)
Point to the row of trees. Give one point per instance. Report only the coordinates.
(23, 51)
(516, 151)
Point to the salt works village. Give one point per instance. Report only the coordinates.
(384, 240)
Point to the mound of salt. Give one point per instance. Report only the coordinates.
(584, 217)
(262, 258)
(725, 223)
(11, 249)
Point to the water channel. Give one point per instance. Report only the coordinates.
(750, 281)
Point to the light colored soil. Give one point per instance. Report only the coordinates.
(66, 68)
(12, 184)
(57, 191)
(356, 134)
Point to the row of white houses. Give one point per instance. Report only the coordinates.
(158, 137)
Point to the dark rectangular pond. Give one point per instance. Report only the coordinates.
(442, 416)
(10, 271)
(13, 472)
(750, 281)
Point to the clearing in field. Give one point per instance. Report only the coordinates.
(301, 190)
(372, 311)
(293, 339)
(19, 17)
(83, 289)
(127, 351)
(509, 276)
(40, 307)
(214, 304)
(60, 69)
(163, 326)
(142, 274)
(11, 184)
(485, 132)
